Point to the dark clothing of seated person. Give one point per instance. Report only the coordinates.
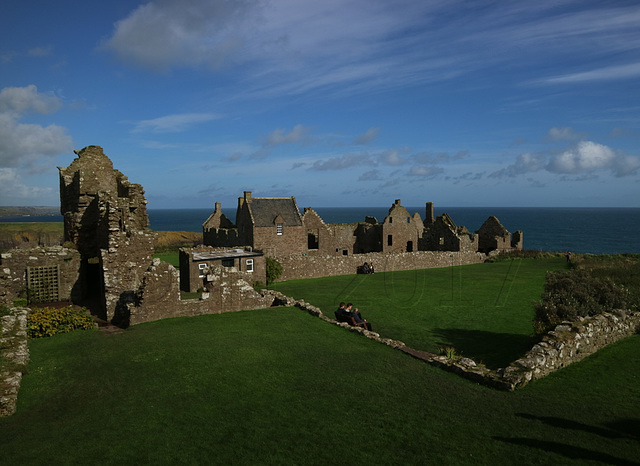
(352, 317)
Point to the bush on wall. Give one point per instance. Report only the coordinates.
(570, 294)
(48, 321)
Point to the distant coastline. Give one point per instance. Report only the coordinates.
(597, 230)
(27, 211)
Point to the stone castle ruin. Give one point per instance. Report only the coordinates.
(107, 262)
(275, 226)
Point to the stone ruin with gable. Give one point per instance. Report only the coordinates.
(107, 264)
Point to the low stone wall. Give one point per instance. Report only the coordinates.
(566, 344)
(311, 266)
(570, 342)
(14, 356)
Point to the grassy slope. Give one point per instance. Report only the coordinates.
(485, 311)
(279, 386)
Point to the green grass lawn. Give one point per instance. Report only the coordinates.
(278, 386)
(485, 311)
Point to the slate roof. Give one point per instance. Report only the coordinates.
(264, 211)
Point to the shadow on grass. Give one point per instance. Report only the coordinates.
(568, 451)
(622, 428)
(495, 350)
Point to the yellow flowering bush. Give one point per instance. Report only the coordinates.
(48, 321)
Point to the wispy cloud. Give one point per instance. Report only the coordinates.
(564, 134)
(173, 123)
(280, 137)
(367, 137)
(610, 73)
(287, 47)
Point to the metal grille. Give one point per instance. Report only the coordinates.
(43, 283)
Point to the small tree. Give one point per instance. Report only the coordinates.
(274, 270)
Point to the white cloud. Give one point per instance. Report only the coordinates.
(586, 157)
(342, 162)
(368, 136)
(564, 134)
(26, 144)
(165, 33)
(173, 123)
(392, 157)
(13, 191)
(279, 137)
(18, 101)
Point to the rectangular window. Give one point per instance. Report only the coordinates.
(201, 268)
(390, 240)
(227, 262)
(249, 264)
(279, 228)
(442, 241)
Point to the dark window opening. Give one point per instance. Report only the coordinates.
(312, 240)
(390, 240)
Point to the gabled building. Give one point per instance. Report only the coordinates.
(275, 227)
(271, 225)
(493, 236)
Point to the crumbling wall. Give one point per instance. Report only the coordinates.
(14, 352)
(13, 270)
(493, 236)
(105, 216)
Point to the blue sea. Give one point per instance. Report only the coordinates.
(580, 230)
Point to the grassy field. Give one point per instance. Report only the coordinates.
(484, 311)
(278, 386)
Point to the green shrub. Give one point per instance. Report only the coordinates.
(274, 270)
(49, 321)
(570, 294)
(4, 310)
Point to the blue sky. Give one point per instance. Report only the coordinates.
(338, 103)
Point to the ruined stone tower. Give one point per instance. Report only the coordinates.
(105, 216)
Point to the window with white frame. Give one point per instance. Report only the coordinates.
(249, 265)
(279, 228)
(201, 268)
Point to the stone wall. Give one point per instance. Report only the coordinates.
(14, 263)
(570, 342)
(159, 295)
(312, 266)
(566, 344)
(14, 353)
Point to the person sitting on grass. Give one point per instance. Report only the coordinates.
(357, 317)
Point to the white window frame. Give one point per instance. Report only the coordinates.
(279, 228)
(249, 265)
(201, 267)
